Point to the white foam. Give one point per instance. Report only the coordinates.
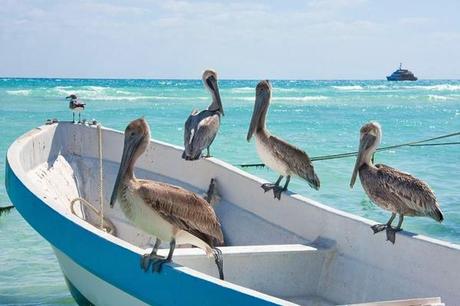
(243, 89)
(22, 92)
(439, 98)
(135, 98)
(440, 87)
(305, 98)
(349, 87)
(287, 99)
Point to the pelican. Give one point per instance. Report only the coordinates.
(277, 154)
(393, 190)
(168, 212)
(75, 105)
(201, 127)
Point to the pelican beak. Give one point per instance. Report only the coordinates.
(212, 83)
(366, 142)
(130, 147)
(258, 107)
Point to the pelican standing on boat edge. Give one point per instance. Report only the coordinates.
(201, 127)
(168, 212)
(393, 190)
(277, 154)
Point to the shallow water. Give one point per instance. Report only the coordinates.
(322, 117)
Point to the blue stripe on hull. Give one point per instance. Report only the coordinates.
(115, 264)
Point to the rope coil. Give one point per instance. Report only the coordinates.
(104, 223)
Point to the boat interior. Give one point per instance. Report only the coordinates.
(262, 252)
(257, 254)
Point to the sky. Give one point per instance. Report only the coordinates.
(278, 39)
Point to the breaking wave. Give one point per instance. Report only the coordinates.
(348, 87)
(21, 92)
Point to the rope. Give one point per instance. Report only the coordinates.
(107, 227)
(101, 190)
(419, 143)
(105, 224)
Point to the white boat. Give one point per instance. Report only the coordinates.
(293, 251)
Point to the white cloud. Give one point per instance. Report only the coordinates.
(316, 39)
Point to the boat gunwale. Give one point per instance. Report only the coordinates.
(228, 167)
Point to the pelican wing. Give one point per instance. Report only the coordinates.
(189, 130)
(206, 131)
(296, 159)
(409, 191)
(184, 209)
(200, 131)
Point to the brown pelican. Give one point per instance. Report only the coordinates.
(201, 127)
(168, 212)
(75, 105)
(393, 190)
(276, 153)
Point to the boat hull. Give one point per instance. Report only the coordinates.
(81, 284)
(389, 78)
(339, 259)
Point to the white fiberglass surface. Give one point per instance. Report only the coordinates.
(72, 176)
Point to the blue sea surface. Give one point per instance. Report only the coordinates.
(321, 117)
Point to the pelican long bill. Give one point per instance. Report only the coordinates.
(366, 141)
(129, 149)
(211, 81)
(255, 120)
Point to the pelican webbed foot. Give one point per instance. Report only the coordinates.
(208, 154)
(269, 186)
(391, 232)
(377, 228)
(158, 264)
(219, 260)
(148, 258)
(278, 190)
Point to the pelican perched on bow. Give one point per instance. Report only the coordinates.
(393, 190)
(168, 212)
(201, 127)
(276, 153)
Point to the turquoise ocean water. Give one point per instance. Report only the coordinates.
(322, 117)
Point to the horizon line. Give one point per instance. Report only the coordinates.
(223, 79)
